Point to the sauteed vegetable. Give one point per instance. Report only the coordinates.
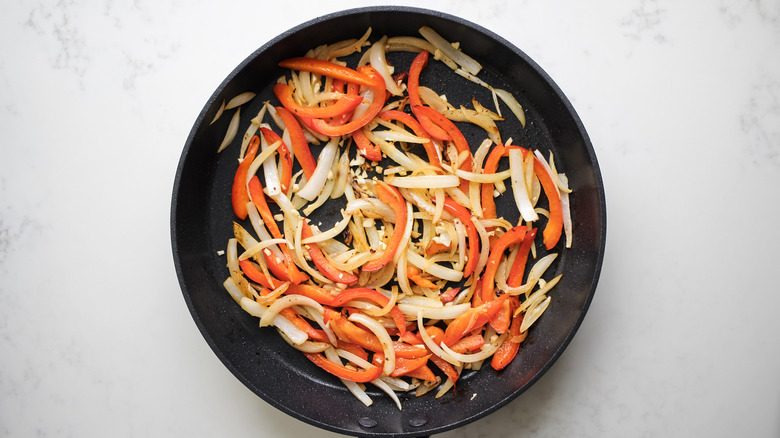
(418, 279)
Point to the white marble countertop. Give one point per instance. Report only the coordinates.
(681, 101)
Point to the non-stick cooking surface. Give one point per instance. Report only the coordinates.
(201, 218)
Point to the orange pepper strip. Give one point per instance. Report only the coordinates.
(552, 231)
(255, 274)
(324, 266)
(511, 237)
(371, 294)
(410, 121)
(472, 319)
(414, 274)
(508, 349)
(405, 366)
(450, 295)
(343, 372)
(239, 195)
(258, 198)
(327, 68)
(446, 367)
(463, 214)
(413, 89)
(501, 320)
(300, 145)
(355, 349)
(282, 270)
(393, 197)
(349, 332)
(344, 104)
(469, 343)
(318, 294)
(457, 138)
(303, 325)
(422, 373)
(491, 166)
(517, 271)
(365, 146)
(287, 161)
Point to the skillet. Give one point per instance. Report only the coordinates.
(201, 219)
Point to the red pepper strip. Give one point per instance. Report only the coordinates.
(393, 197)
(405, 366)
(281, 268)
(491, 166)
(413, 88)
(501, 320)
(552, 231)
(406, 351)
(414, 274)
(299, 145)
(287, 161)
(422, 373)
(239, 195)
(408, 120)
(435, 248)
(517, 271)
(343, 372)
(450, 295)
(463, 214)
(324, 266)
(511, 237)
(472, 319)
(258, 198)
(469, 343)
(344, 104)
(255, 274)
(318, 294)
(303, 325)
(508, 349)
(327, 68)
(457, 137)
(350, 332)
(446, 367)
(355, 349)
(372, 295)
(365, 147)
(476, 296)
(352, 90)
(380, 95)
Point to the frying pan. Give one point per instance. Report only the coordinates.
(201, 219)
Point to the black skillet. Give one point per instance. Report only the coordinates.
(201, 225)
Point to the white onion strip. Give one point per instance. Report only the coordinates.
(444, 312)
(231, 132)
(512, 103)
(465, 61)
(353, 387)
(296, 335)
(432, 268)
(330, 234)
(384, 339)
(566, 210)
(424, 181)
(324, 161)
(285, 302)
(428, 341)
(518, 186)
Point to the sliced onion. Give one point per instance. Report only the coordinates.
(487, 351)
(534, 275)
(379, 63)
(353, 387)
(533, 314)
(240, 100)
(566, 210)
(444, 312)
(384, 339)
(400, 136)
(219, 113)
(512, 103)
(432, 268)
(324, 161)
(231, 131)
(518, 186)
(435, 349)
(484, 177)
(465, 61)
(296, 335)
(285, 302)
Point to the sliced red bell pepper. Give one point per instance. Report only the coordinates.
(316, 293)
(511, 237)
(380, 95)
(287, 161)
(457, 137)
(371, 295)
(422, 373)
(258, 199)
(365, 146)
(343, 372)
(450, 295)
(463, 214)
(446, 367)
(392, 197)
(255, 274)
(327, 68)
(405, 366)
(239, 195)
(552, 231)
(472, 319)
(413, 89)
(300, 145)
(301, 323)
(501, 320)
(282, 270)
(344, 104)
(323, 265)
(411, 122)
(469, 343)
(414, 274)
(491, 166)
(517, 271)
(508, 349)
